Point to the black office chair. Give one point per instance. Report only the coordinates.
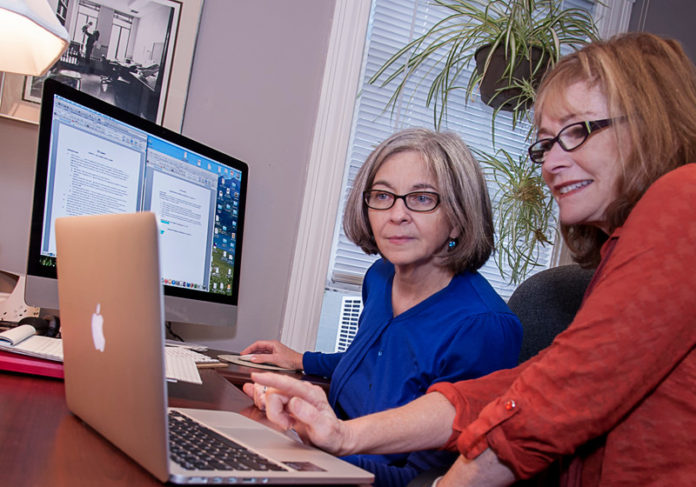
(546, 304)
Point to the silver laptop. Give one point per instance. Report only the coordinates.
(113, 343)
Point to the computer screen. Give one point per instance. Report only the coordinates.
(94, 158)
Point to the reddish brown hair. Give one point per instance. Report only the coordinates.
(651, 81)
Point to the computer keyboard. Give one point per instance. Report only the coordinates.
(187, 352)
(180, 366)
(196, 447)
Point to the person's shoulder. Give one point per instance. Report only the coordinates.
(673, 191)
(479, 291)
(377, 277)
(681, 179)
(666, 207)
(475, 280)
(381, 267)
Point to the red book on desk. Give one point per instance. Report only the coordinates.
(30, 365)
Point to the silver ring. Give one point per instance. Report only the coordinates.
(264, 390)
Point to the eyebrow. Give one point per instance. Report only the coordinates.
(415, 187)
(565, 121)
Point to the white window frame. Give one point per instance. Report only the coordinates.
(327, 162)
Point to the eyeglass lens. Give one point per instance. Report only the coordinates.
(569, 138)
(415, 201)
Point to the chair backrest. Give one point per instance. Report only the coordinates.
(546, 304)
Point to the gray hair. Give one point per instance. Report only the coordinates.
(463, 193)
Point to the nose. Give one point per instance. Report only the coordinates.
(556, 159)
(398, 211)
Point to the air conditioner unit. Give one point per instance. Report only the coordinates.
(351, 307)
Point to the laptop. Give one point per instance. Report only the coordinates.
(112, 324)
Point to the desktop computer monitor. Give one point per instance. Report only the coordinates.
(94, 158)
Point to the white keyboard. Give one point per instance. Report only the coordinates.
(181, 366)
(187, 352)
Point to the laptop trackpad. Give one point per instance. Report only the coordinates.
(259, 438)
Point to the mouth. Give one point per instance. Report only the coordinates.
(399, 239)
(568, 188)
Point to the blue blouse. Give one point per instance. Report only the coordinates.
(461, 332)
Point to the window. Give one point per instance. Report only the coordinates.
(120, 36)
(87, 13)
(62, 11)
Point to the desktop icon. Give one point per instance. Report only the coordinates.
(98, 329)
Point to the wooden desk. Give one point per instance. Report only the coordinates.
(42, 443)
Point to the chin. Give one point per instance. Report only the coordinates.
(570, 217)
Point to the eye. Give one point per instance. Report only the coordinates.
(380, 196)
(543, 145)
(575, 132)
(423, 201)
(424, 198)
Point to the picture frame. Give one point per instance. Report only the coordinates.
(124, 76)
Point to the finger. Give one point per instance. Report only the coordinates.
(255, 392)
(249, 389)
(275, 410)
(253, 348)
(262, 357)
(260, 398)
(303, 411)
(291, 387)
(259, 346)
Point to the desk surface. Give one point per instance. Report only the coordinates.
(42, 443)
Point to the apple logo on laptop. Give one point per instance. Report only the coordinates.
(98, 329)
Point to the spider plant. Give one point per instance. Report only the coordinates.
(517, 27)
(524, 207)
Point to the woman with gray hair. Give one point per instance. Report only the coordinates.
(420, 201)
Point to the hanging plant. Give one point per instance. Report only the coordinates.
(526, 35)
(523, 203)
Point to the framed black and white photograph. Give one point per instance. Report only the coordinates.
(135, 54)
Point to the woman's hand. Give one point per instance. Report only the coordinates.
(273, 352)
(292, 403)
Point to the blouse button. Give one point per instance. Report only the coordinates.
(379, 354)
(510, 405)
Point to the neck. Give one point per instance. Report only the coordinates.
(411, 286)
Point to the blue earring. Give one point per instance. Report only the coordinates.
(452, 243)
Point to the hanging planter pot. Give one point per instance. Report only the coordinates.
(500, 90)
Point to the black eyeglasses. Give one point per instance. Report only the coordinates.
(378, 199)
(569, 137)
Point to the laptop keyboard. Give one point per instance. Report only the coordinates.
(196, 447)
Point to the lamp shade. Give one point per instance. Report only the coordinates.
(31, 37)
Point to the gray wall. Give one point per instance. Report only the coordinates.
(18, 148)
(669, 18)
(254, 93)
